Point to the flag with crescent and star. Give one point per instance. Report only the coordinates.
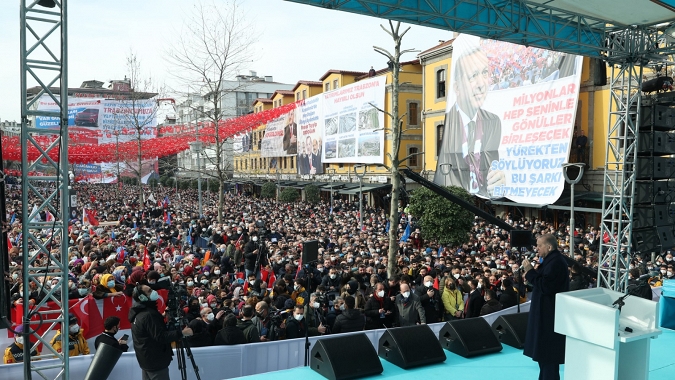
(118, 307)
(88, 316)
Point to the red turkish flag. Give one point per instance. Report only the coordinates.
(161, 301)
(119, 307)
(146, 259)
(87, 313)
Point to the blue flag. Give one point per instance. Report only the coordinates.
(406, 233)
(13, 219)
(440, 249)
(189, 237)
(112, 235)
(386, 229)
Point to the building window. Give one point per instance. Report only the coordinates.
(292, 162)
(412, 161)
(413, 114)
(439, 138)
(335, 84)
(304, 94)
(327, 86)
(440, 83)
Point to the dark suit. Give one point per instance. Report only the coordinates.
(303, 164)
(473, 304)
(316, 163)
(290, 130)
(542, 344)
(460, 173)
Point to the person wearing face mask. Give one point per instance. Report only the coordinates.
(112, 326)
(251, 250)
(379, 310)
(83, 289)
(14, 353)
(107, 287)
(351, 319)
(453, 300)
(475, 300)
(409, 308)
(77, 344)
(296, 326)
(430, 299)
(331, 281)
(299, 294)
(152, 341)
(204, 328)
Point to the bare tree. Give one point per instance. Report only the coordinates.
(135, 116)
(396, 131)
(214, 46)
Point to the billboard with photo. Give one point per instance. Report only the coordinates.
(98, 121)
(281, 137)
(509, 120)
(353, 128)
(310, 135)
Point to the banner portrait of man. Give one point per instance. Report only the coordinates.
(290, 142)
(471, 136)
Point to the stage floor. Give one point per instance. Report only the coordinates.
(510, 363)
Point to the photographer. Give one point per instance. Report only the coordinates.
(152, 341)
(251, 250)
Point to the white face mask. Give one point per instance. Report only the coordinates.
(82, 292)
(210, 317)
(405, 294)
(342, 307)
(428, 284)
(316, 305)
(298, 317)
(333, 276)
(480, 285)
(206, 273)
(251, 282)
(74, 329)
(456, 275)
(190, 283)
(255, 238)
(669, 273)
(213, 305)
(19, 340)
(217, 272)
(380, 293)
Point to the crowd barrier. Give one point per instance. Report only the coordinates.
(222, 361)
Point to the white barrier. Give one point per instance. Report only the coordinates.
(223, 362)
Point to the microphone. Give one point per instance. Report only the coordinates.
(529, 258)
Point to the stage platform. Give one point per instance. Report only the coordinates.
(510, 363)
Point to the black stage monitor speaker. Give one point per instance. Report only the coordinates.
(469, 337)
(521, 238)
(310, 251)
(410, 346)
(103, 363)
(345, 357)
(511, 329)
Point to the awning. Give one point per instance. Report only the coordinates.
(366, 189)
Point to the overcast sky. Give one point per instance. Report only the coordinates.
(295, 41)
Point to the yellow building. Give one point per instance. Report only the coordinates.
(591, 117)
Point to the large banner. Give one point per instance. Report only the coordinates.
(509, 120)
(103, 121)
(353, 129)
(281, 137)
(310, 132)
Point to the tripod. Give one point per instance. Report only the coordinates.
(183, 347)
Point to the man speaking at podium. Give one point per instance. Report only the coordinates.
(551, 277)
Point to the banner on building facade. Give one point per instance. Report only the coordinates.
(310, 135)
(281, 137)
(104, 121)
(509, 121)
(353, 128)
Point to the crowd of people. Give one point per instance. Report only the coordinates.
(242, 280)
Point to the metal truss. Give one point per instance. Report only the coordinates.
(44, 244)
(621, 159)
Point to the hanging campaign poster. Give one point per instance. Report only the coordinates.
(103, 121)
(509, 120)
(353, 128)
(310, 135)
(281, 137)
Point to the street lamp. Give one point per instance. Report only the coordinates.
(360, 175)
(278, 187)
(196, 147)
(445, 168)
(572, 182)
(331, 171)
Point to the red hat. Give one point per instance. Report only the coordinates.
(188, 270)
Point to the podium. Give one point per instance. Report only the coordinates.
(601, 343)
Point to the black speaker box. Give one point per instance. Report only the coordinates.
(411, 346)
(521, 238)
(103, 362)
(469, 337)
(655, 168)
(653, 191)
(650, 216)
(656, 143)
(511, 329)
(647, 240)
(310, 251)
(661, 118)
(345, 357)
